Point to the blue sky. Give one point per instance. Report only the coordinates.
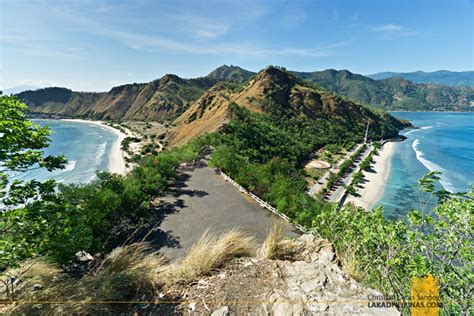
(92, 45)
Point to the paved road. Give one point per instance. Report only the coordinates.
(336, 194)
(203, 200)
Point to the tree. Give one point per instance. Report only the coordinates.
(21, 149)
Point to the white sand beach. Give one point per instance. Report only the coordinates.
(116, 159)
(375, 181)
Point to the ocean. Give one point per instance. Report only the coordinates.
(86, 146)
(443, 142)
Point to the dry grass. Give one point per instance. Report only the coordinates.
(208, 253)
(274, 246)
(37, 272)
(128, 273)
(351, 264)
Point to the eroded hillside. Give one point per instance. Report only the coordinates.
(276, 92)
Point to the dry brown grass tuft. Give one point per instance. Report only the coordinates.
(351, 264)
(274, 246)
(128, 273)
(208, 253)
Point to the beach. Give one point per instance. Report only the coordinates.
(375, 180)
(116, 158)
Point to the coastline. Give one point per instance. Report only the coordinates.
(375, 180)
(116, 157)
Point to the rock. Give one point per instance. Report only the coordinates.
(83, 256)
(36, 287)
(223, 311)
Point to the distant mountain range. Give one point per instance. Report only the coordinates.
(444, 77)
(389, 94)
(167, 98)
(18, 89)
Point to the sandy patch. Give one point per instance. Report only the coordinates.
(116, 157)
(376, 180)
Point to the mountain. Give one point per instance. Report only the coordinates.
(18, 89)
(282, 97)
(392, 93)
(159, 100)
(231, 73)
(443, 77)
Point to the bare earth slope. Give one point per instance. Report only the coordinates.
(159, 100)
(272, 85)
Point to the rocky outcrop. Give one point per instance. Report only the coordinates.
(310, 281)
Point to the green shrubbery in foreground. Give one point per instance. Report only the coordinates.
(42, 222)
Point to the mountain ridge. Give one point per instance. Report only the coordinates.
(273, 91)
(442, 77)
(166, 98)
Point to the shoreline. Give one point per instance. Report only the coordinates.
(116, 156)
(375, 182)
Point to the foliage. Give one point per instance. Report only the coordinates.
(21, 149)
(380, 93)
(85, 217)
(387, 254)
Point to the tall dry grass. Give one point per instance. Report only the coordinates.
(275, 246)
(131, 273)
(210, 252)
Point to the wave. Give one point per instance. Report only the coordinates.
(431, 166)
(417, 130)
(426, 127)
(100, 152)
(70, 165)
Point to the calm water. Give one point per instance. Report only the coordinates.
(444, 142)
(87, 148)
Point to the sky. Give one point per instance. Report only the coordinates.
(93, 45)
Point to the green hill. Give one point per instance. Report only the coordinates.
(393, 93)
(444, 77)
(231, 73)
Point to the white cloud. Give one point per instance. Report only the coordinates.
(387, 28)
(201, 28)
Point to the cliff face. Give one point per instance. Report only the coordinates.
(159, 100)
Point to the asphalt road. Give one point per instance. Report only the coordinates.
(203, 200)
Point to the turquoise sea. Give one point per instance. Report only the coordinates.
(443, 142)
(87, 148)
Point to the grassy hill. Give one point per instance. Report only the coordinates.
(231, 73)
(443, 77)
(159, 100)
(392, 93)
(284, 101)
(166, 98)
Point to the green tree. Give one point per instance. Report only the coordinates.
(22, 212)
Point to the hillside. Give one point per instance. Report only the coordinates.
(166, 98)
(231, 73)
(280, 96)
(159, 100)
(443, 77)
(392, 93)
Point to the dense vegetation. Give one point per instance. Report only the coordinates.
(392, 93)
(37, 219)
(380, 253)
(444, 77)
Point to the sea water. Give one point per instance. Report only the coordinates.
(87, 148)
(444, 141)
